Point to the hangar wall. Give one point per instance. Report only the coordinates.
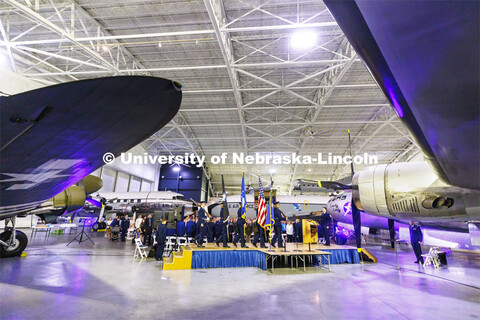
(189, 181)
(12, 83)
(120, 177)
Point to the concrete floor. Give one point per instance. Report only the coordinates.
(105, 282)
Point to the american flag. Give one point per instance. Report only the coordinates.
(262, 206)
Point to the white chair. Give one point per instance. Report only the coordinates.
(432, 258)
(182, 241)
(140, 249)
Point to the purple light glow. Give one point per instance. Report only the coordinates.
(395, 103)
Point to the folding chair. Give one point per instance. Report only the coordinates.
(182, 241)
(140, 249)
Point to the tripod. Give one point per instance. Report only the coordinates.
(79, 237)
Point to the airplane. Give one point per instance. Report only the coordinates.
(133, 203)
(436, 233)
(290, 205)
(412, 49)
(53, 137)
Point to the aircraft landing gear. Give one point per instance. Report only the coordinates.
(12, 241)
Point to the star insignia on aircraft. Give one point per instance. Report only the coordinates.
(48, 171)
(347, 208)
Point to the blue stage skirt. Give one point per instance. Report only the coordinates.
(340, 256)
(228, 259)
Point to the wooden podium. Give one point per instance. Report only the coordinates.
(309, 230)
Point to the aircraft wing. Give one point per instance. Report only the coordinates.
(425, 57)
(52, 137)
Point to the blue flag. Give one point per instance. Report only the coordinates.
(270, 221)
(243, 198)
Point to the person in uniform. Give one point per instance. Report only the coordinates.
(277, 215)
(325, 221)
(124, 225)
(241, 229)
(218, 228)
(211, 231)
(161, 238)
(224, 232)
(115, 222)
(148, 227)
(190, 225)
(249, 229)
(416, 238)
(181, 228)
(258, 234)
(201, 226)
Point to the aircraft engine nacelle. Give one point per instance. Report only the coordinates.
(409, 191)
(71, 199)
(90, 184)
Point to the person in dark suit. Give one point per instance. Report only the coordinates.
(160, 237)
(416, 238)
(148, 228)
(241, 229)
(298, 230)
(202, 216)
(278, 216)
(124, 225)
(325, 221)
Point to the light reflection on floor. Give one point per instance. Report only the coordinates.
(105, 282)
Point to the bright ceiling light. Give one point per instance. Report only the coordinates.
(176, 168)
(272, 170)
(105, 48)
(303, 39)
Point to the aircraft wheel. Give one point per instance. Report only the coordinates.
(103, 225)
(17, 248)
(96, 226)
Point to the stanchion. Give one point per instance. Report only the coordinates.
(296, 242)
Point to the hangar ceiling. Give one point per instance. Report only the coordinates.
(246, 88)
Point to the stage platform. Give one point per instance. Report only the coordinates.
(211, 256)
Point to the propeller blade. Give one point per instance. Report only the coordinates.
(357, 225)
(350, 149)
(391, 229)
(96, 203)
